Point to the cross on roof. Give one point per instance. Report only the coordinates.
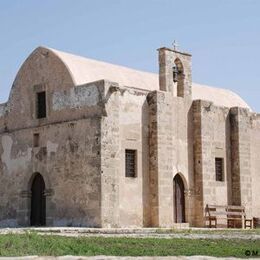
(175, 45)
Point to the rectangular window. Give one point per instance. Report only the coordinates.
(36, 140)
(130, 163)
(219, 167)
(41, 104)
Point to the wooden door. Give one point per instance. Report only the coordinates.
(179, 200)
(38, 202)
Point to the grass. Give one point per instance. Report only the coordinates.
(51, 245)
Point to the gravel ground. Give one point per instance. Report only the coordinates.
(140, 233)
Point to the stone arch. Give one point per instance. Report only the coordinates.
(179, 198)
(28, 179)
(178, 77)
(186, 186)
(24, 216)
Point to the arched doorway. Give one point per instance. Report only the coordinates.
(179, 199)
(38, 201)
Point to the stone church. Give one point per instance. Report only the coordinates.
(88, 143)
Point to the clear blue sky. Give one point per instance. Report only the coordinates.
(222, 35)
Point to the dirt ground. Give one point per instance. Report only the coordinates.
(194, 233)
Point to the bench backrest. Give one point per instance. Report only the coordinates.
(227, 210)
(235, 211)
(215, 210)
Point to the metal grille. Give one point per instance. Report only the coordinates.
(219, 169)
(41, 104)
(130, 163)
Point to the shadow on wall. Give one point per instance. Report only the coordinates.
(145, 164)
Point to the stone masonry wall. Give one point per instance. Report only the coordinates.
(110, 163)
(169, 155)
(134, 135)
(125, 127)
(167, 57)
(68, 160)
(241, 154)
(198, 169)
(212, 140)
(255, 163)
(69, 152)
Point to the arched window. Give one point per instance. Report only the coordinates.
(178, 77)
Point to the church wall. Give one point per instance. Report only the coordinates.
(172, 131)
(255, 164)
(68, 160)
(241, 158)
(110, 164)
(161, 154)
(2, 110)
(125, 199)
(183, 151)
(68, 156)
(198, 167)
(133, 121)
(2, 116)
(212, 139)
(170, 136)
(42, 71)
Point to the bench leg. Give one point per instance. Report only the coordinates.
(213, 223)
(250, 225)
(243, 222)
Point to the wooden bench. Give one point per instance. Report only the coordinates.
(234, 216)
(214, 213)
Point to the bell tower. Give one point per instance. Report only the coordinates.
(175, 72)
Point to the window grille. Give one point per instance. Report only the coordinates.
(219, 167)
(130, 163)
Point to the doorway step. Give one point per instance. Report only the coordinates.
(181, 225)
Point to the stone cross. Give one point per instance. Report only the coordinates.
(175, 45)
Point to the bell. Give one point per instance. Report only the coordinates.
(175, 73)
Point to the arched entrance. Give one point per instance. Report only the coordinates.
(38, 201)
(179, 199)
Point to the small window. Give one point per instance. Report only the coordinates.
(41, 104)
(36, 140)
(130, 163)
(219, 167)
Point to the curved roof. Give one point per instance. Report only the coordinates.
(85, 70)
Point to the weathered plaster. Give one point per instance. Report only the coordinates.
(76, 98)
(10, 162)
(2, 110)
